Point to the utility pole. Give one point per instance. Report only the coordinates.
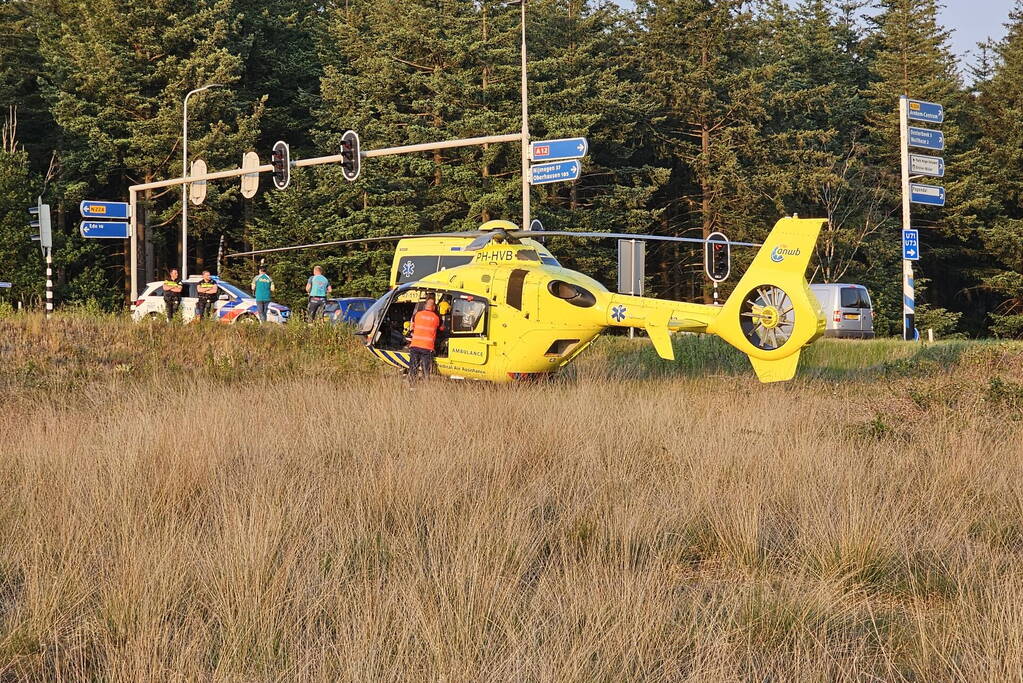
(525, 125)
(185, 174)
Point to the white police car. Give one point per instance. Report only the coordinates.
(233, 305)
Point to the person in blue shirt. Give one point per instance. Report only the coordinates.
(318, 287)
(262, 288)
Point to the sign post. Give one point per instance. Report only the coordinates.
(631, 269)
(916, 165)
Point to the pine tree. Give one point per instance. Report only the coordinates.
(703, 74)
(911, 57)
(1001, 145)
(116, 74)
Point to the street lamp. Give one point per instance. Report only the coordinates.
(184, 174)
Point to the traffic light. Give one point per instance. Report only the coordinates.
(717, 257)
(351, 156)
(40, 220)
(281, 161)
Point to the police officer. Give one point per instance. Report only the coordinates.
(172, 293)
(207, 291)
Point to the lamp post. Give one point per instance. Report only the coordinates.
(184, 174)
(525, 126)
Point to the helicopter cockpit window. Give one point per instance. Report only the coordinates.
(573, 294)
(527, 255)
(370, 318)
(549, 261)
(467, 315)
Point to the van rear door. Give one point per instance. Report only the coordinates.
(851, 305)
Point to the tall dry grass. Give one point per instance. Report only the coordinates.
(298, 525)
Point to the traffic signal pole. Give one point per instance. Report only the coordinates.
(525, 127)
(134, 190)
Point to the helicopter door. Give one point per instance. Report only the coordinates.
(468, 341)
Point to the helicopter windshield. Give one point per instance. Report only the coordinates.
(371, 317)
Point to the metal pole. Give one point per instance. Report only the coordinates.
(49, 282)
(525, 127)
(133, 218)
(908, 284)
(184, 174)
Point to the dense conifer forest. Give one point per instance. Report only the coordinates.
(701, 115)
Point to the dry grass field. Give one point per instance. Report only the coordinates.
(265, 504)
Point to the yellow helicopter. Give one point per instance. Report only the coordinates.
(514, 313)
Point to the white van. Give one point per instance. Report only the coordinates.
(847, 309)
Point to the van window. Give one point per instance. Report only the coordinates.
(454, 261)
(412, 268)
(854, 297)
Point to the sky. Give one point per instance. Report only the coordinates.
(970, 21)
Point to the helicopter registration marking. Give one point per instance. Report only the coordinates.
(491, 256)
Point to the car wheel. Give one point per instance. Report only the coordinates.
(246, 319)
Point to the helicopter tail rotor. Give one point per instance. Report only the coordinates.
(772, 314)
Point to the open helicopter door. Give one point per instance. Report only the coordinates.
(467, 335)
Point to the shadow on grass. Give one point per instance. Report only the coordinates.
(827, 359)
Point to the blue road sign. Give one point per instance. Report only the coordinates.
(926, 111)
(932, 195)
(541, 174)
(108, 210)
(920, 164)
(5, 285)
(911, 245)
(549, 150)
(926, 138)
(114, 230)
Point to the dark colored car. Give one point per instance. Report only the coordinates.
(348, 310)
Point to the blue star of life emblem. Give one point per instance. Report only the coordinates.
(408, 268)
(618, 313)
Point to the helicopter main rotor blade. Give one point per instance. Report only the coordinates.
(361, 240)
(534, 234)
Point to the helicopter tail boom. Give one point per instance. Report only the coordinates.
(770, 316)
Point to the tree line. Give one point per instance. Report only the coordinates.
(702, 115)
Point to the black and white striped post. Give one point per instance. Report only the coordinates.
(40, 220)
(49, 282)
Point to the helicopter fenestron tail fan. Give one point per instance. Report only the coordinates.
(772, 314)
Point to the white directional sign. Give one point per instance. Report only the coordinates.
(550, 150)
(541, 174)
(920, 164)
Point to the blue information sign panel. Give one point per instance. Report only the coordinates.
(114, 230)
(911, 245)
(549, 150)
(925, 111)
(932, 195)
(108, 210)
(926, 138)
(541, 174)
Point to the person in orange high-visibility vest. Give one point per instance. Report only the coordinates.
(425, 324)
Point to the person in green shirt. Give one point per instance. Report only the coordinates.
(262, 287)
